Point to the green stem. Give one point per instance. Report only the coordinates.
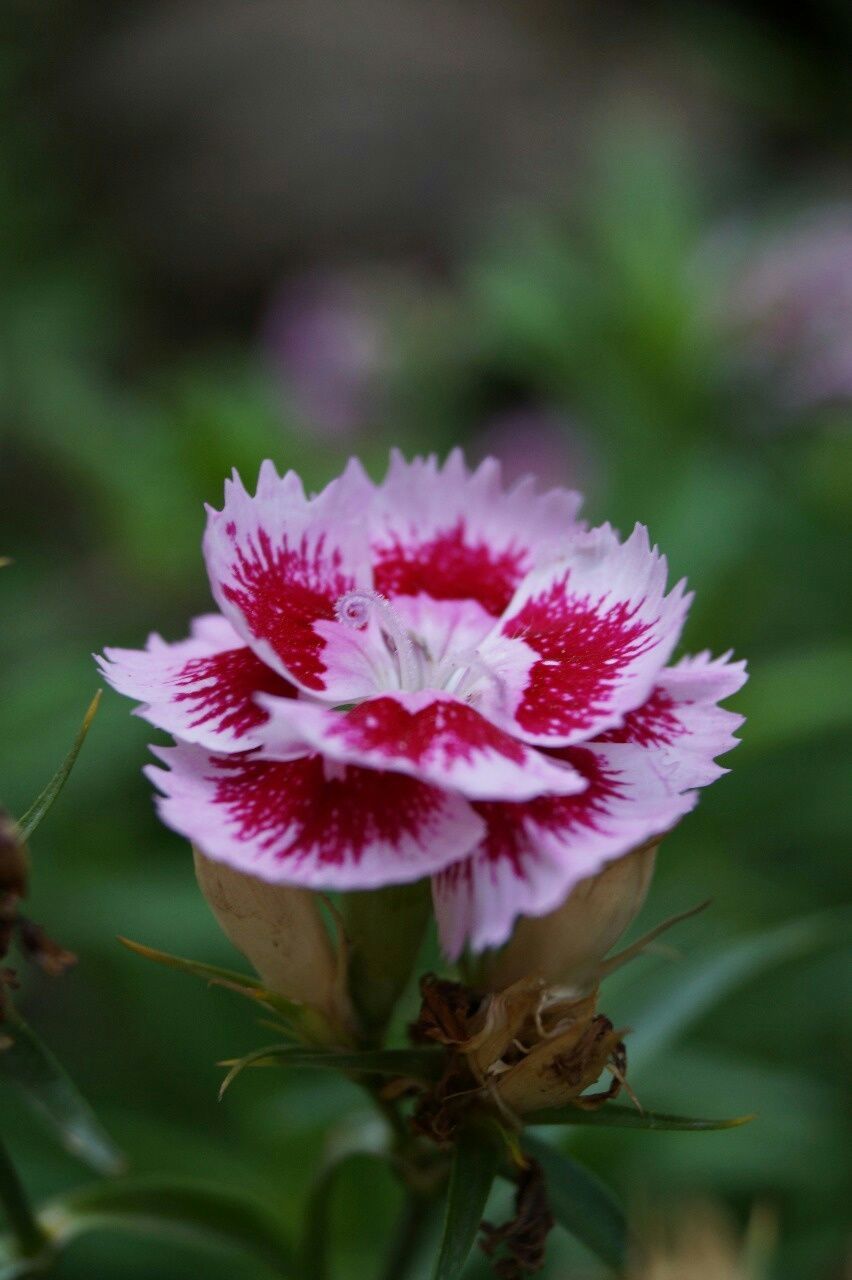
(29, 1236)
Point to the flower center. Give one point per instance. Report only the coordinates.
(459, 672)
(355, 610)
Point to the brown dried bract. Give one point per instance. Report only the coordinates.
(524, 1049)
(522, 1240)
(32, 940)
(39, 947)
(445, 1011)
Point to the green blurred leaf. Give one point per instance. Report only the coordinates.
(172, 1209)
(43, 802)
(314, 1263)
(419, 1064)
(689, 990)
(795, 697)
(31, 1067)
(478, 1152)
(613, 1116)
(28, 1245)
(581, 1203)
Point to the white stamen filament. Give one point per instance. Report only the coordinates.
(354, 609)
(466, 669)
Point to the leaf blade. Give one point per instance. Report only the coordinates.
(613, 1116)
(422, 1064)
(45, 799)
(313, 1254)
(173, 1208)
(700, 984)
(476, 1161)
(33, 1069)
(581, 1202)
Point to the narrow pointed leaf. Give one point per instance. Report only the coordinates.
(419, 1064)
(246, 982)
(478, 1153)
(691, 989)
(31, 1067)
(581, 1203)
(207, 1216)
(613, 1116)
(302, 1021)
(43, 802)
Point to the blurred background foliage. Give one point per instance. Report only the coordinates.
(611, 244)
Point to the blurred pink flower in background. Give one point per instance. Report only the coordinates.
(788, 301)
(326, 336)
(533, 440)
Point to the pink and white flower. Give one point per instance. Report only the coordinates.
(429, 677)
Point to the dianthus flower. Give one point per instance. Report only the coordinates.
(429, 677)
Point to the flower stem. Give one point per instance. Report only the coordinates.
(30, 1237)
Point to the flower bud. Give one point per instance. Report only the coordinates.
(567, 947)
(280, 930)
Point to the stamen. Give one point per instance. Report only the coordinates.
(470, 668)
(354, 609)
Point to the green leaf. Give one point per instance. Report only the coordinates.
(31, 1067)
(581, 1203)
(173, 1209)
(313, 1249)
(793, 698)
(419, 1064)
(691, 989)
(43, 802)
(478, 1153)
(29, 1238)
(613, 1116)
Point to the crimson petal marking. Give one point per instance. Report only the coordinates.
(201, 689)
(592, 634)
(535, 853)
(279, 562)
(453, 534)
(428, 735)
(681, 723)
(310, 822)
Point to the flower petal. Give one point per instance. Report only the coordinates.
(431, 736)
(201, 689)
(535, 853)
(681, 723)
(589, 636)
(309, 821)
(278, 564)
(453, 534)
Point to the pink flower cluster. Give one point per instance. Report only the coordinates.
(429, 677)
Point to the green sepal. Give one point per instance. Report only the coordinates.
(384, 930)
